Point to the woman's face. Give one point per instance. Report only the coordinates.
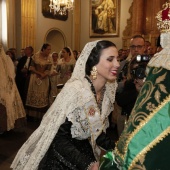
(47, 51)
(64, 53)
(108, 64)
(9, 53)
(55, 57)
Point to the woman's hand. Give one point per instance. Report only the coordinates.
(94, 166)
(43, 75)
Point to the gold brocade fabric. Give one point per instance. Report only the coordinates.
(153, 96)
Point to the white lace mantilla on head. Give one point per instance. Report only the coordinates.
(162, 59)
(73, 97)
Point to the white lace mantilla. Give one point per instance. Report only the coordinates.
(9, 95)
(162, 59)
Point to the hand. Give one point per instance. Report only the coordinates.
(43, 75)
(31, 68)
(138, 84)
(94, 166)
(54, 73)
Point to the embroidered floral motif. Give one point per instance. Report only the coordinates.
(143, 108)
(150, 106)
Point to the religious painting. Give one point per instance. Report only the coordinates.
(104, 18)
(49, 13)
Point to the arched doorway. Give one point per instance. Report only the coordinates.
(56, 38)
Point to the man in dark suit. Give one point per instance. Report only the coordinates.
(23, 73)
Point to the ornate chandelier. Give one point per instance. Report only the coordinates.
(61, 6)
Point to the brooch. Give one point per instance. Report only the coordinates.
(91, 111)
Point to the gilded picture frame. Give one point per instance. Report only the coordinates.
(104, 18)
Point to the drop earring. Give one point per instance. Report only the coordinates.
(94, 73)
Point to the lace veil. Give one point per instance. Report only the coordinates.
(9, 95)
(72, 61)
(162, 58)
(34, 149)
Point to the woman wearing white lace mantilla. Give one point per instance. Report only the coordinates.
(12, 113)
(65, 65)
(72, 133)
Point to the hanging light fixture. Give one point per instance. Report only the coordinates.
(61, 6)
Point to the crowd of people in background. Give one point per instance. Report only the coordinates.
(41, 75)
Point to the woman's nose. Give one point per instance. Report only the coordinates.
(117, 64)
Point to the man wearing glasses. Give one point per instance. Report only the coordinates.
(127, 87)
(137, 45)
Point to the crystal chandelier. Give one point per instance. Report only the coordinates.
(61, 6)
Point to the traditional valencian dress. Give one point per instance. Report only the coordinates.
(12, 113)
(145, 142)
(65, 69)
(38, 90)
(73, 130)
(53, 82)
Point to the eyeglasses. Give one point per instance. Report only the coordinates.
(133, 47)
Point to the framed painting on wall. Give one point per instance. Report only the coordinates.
(104, 18)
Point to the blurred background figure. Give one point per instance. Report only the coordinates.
(21, 54)
(79, 52)
(75, 52)
(54, 78)
(37, 101)
(150, 51)
(66, 65)
(23, 72)
(12, 113)
(11, 54)
(147, 44)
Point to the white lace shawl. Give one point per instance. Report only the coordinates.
(9, 95)
(162, 59)
(74, 96)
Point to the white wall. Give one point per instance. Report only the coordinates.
(124, 15)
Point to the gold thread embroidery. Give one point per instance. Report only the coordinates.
(129, 135)
(150, 146)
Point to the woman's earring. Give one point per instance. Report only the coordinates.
(94, 73)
